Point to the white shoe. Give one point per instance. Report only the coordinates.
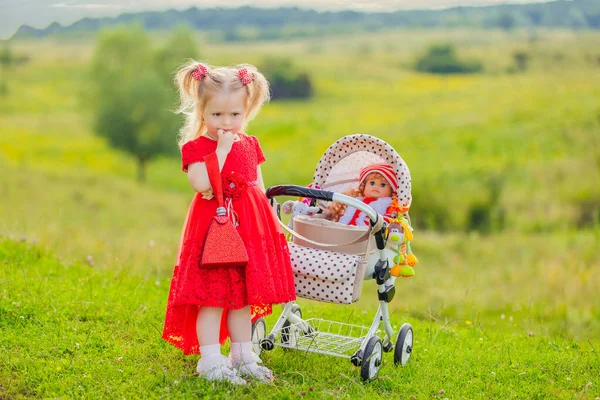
(253, 370)
(217, 369)
(248, 367)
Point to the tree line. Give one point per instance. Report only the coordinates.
(292, 22)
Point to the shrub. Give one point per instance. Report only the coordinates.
(285, 81)
(521, 60)
(488, 215)
(442, 59)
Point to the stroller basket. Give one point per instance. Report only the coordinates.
(322, 336)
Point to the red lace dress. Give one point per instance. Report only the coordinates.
(265, 280)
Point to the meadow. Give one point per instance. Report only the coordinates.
(87, 251)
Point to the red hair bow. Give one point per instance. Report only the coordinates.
(200, 72)
(245, 77)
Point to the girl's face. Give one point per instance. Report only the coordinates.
(225, 110)
(376, 186)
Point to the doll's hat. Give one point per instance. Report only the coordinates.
(384, 169)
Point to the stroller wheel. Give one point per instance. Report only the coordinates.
(289, 333)
(404, 345)
(259, 331)
(356, 358)
(372, 359)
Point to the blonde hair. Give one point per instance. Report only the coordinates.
(194, 94)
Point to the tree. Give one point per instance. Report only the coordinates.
(138, 120)
(131, 101)
(506, 21)
(535, 16)
(179, 47)
(7, 60)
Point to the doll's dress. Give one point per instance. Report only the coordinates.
(353, 216)
(267, 278)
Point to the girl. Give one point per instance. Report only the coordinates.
(377, 184)
(206, 306)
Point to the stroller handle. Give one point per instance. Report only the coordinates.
(299, 191)
(377, 222)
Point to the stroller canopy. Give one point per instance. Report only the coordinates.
(340, 165)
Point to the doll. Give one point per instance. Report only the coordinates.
(377, 186)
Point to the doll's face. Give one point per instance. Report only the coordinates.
(376, 186)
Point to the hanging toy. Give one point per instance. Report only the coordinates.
(400, 235)
(300, 207)
(395, 209)
(411, 259)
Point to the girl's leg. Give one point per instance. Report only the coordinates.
(208, 318)
(239, 325)
(213, 365)
(242, 357)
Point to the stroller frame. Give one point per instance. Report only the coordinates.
(361, 344)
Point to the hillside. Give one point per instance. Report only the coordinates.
(257, 23)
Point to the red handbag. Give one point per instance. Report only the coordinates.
(223, 246)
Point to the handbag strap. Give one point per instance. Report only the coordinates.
(214, 176)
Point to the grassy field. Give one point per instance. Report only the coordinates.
(534, 132)
(88, 252)
(73, 330)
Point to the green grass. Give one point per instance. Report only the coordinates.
(73, 330)
(546, 281)
(509, 315)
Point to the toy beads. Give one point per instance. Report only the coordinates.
(400, 235)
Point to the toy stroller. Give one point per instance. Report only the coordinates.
(330, 260)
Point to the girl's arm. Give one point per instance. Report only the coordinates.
(198, 175)
(261, 182)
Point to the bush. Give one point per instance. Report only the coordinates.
(588, 212)
(521, 60)
(429, 212)
(442, 59)
(285, 81)
(488, 215)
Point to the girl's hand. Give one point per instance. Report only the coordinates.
(226, 139)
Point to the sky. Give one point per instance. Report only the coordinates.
(41, 13)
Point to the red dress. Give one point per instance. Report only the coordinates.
(265, 280)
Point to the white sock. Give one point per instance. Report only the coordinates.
(240, 351)
(211, 350)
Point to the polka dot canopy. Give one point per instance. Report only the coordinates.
(339, 167)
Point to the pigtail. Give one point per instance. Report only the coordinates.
(258, 89)
(189, 82)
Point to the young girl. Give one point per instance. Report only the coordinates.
(377, 184)
(207, 305)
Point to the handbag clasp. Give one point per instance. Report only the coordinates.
(221, 211)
